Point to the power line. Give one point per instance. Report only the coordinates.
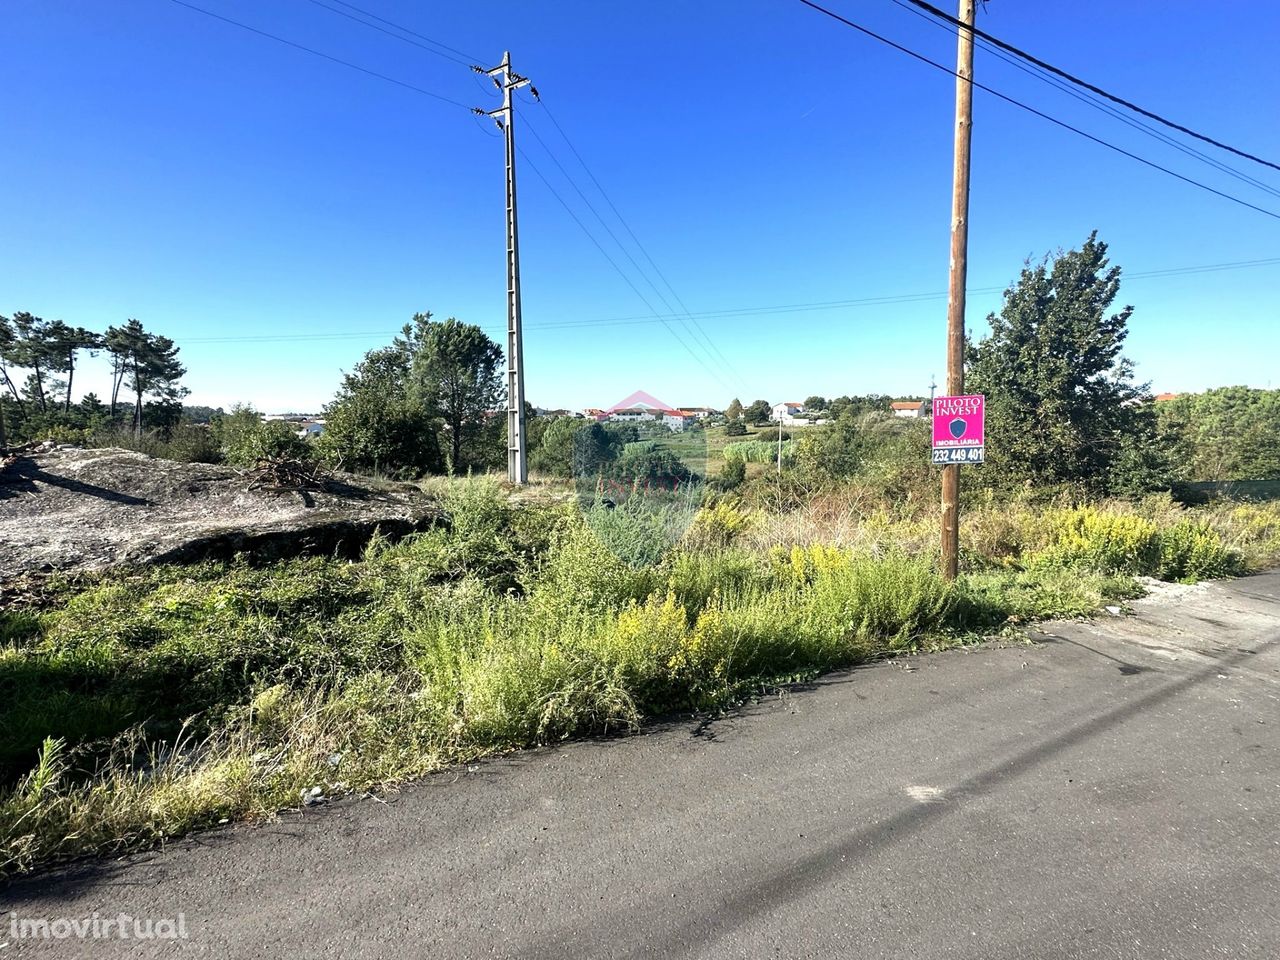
(942, 14)
(470, 110)
(815, 306)
(621, 246)
(643, 250)
(613, 263)
(467, 60)
(708, 344)
(323, 56)
(1039, 113)
(1092, 101)
(389, 33)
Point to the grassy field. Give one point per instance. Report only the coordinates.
(151, 703)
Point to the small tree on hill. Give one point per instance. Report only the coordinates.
(734, 411)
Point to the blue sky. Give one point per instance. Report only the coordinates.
(223, 188)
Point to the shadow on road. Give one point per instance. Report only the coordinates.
(796, 880)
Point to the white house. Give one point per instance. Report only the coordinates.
(788, 413)
(910, 409)
(633, 414)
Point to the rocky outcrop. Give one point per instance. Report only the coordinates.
(74, 509)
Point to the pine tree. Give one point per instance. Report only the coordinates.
(1062, 406)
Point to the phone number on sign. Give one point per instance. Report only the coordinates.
(959, 455)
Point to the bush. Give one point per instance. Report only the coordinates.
(733, 474)
(736, 428)
(1113, 543)
(1088, 537)
(1191, 551)
(719, 525)
(245, 438)
(193, 443)
(373, 432)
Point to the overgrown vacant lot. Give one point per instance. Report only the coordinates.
(147, 704)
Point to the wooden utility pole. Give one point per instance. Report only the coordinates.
(508, 82)
(959, 271)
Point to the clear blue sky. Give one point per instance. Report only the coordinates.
(161, 165)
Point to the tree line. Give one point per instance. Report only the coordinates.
(38, 362)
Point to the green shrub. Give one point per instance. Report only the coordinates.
(733, 474)
(245, 438)
(192, 443)
(1110, 542)
(1191, 551)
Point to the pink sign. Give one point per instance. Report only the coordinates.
(959, 422)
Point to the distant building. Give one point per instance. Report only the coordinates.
(640, 407)
(310, 428)
(697, 413)
(1165, 397)
(910, 409)
(788, 413)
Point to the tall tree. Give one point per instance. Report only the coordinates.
(121, 344)
(759, 412)
(145, 362)
(30, 350)
(735, 409)
(9, 354)
(458, 371)
(1062, 405)
(63, 343)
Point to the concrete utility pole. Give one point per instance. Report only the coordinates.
(959, 271)
(508, 82)
(779, 446)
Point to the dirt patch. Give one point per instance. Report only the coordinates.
(73, 509)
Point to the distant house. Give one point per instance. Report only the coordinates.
(697, 413)
(640, 407)
(632, 414)
(676, 422)
(910, 409)
(1165, 397)
(309, 429)
(788, 413)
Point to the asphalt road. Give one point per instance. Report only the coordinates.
(1111, 792)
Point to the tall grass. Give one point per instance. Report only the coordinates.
(151, 704)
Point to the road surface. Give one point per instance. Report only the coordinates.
(1112, 792)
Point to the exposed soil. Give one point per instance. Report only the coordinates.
(71, 509)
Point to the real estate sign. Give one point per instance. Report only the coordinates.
(959, 429)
